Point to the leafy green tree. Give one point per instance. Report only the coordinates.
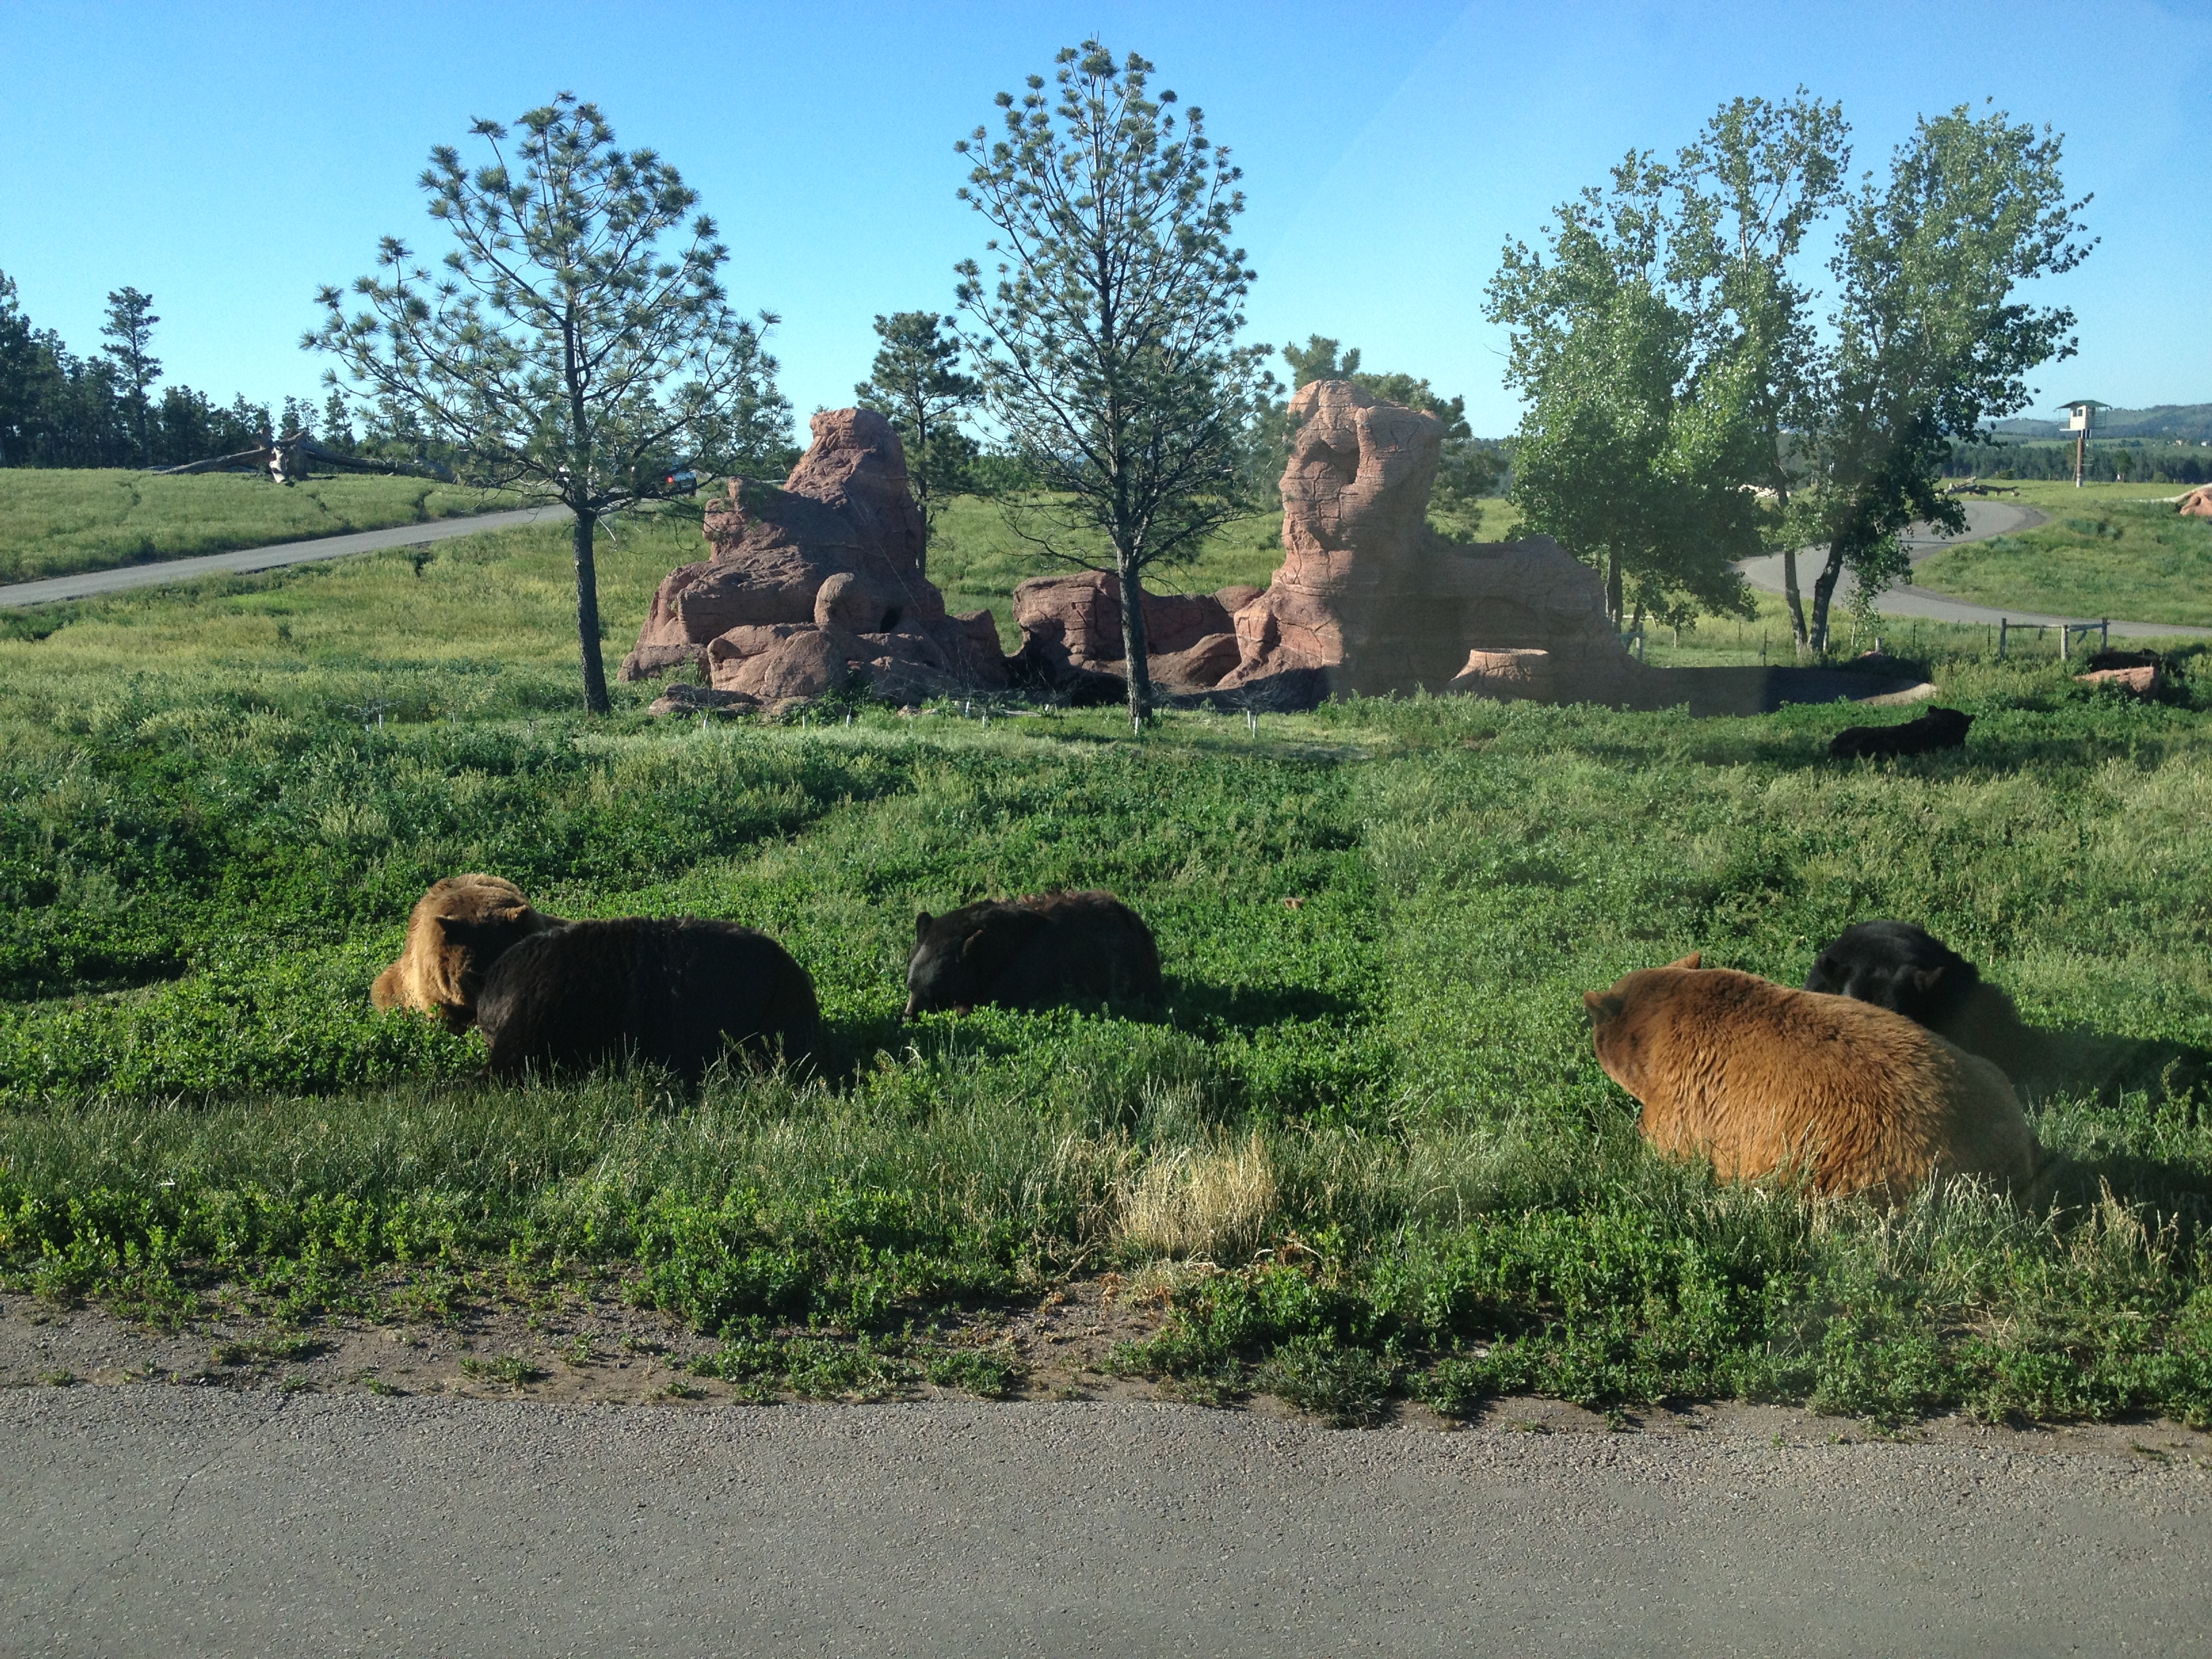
(128, 332)
(558, 351)
(915, 382)
(1931, 342)
(1752, 186)
(1108, 344)
(1636, 446)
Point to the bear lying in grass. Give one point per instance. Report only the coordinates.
(1939, 728)
(1031, 952)
(1902, 967)
(1759, 1078)
(456, 931)
(677, 993)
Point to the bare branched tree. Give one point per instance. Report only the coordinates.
(1107, 346)
(555, 349)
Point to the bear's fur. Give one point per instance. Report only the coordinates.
(678, 993)
(1902, 967)
(1030, 952)
(455, 933)
(1759, 1077)
(1939, 728)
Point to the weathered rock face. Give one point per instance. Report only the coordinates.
(1072, 634)
(1369, 593)
(819, 580)
(1368, 598)
(2197, 503)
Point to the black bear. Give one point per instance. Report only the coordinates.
(1939, 728)
(1902, 967)
(678, 993)
(1028, 952)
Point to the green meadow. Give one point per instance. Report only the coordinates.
(2109, 551)
(57, 522)
(1365, 1147)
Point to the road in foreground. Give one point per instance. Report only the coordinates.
(204, 1521)
(1985, 520)
(89, 583)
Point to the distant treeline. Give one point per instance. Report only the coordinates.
(58, 409)
(2107, 462)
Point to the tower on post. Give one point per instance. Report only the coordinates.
(2080, 414)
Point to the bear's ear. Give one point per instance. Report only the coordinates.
(1928, 978)
(1601, 1007)
(1695, 959)
(922, 925)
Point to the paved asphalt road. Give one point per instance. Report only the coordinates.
(1984, 520)
(145, 1519)
(91, 582)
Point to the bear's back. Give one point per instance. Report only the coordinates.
(1759, 1077)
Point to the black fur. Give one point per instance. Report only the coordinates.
(1902, 967)
(1030, 952)
(1939, 728)
(678, 993)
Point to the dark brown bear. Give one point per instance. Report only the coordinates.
(678, 993)
(1030, 952)
(1939, 728)
(1902, 967)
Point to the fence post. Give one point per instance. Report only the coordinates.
(2003, 626)
(2105, 634)
(2065, 633)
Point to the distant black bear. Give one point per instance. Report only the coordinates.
(1902, 967)
(1939, 728)
(678, 993)
(1028, 952)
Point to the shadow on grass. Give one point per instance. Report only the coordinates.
(2073, 1059)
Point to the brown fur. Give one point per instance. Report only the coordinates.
(455, 933)
(1759, 1077)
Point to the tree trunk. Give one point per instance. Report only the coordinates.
(1134, 661)
(1824, 591)
(587, 615)
(1613, 604)
(1795, 597)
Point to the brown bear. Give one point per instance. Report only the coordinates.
(678, 993)
(1759, 1077)
(1028, 952)
(1939, 728)
(457, 931)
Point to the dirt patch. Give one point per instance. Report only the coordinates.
(588, 1345)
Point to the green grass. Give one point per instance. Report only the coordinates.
(206, 850)
(2109, 551)
(57, 522)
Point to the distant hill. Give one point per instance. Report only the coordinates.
(2188, 422)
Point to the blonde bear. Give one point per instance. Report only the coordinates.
(455, 933)
(1759, 1077)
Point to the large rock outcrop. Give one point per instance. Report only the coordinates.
(808, 586)
(2197, 503)
(1370, 594)
(1368, 598)
(1071, 634)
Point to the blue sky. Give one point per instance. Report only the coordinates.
(228, 159)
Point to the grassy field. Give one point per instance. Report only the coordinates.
(56, 522)
(2109, 551)
(1365, 1149)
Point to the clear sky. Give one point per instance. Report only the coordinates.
(227, 158)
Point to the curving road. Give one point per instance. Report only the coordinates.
(204, 1521)
(91, 583)
(1985, 520)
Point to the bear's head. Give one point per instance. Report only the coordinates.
(1897, 965)
(958, 956)
(1620, 1018)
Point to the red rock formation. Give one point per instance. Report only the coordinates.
(1072, 633)
(820, 579)
(2141, 682)
(1370, 594)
